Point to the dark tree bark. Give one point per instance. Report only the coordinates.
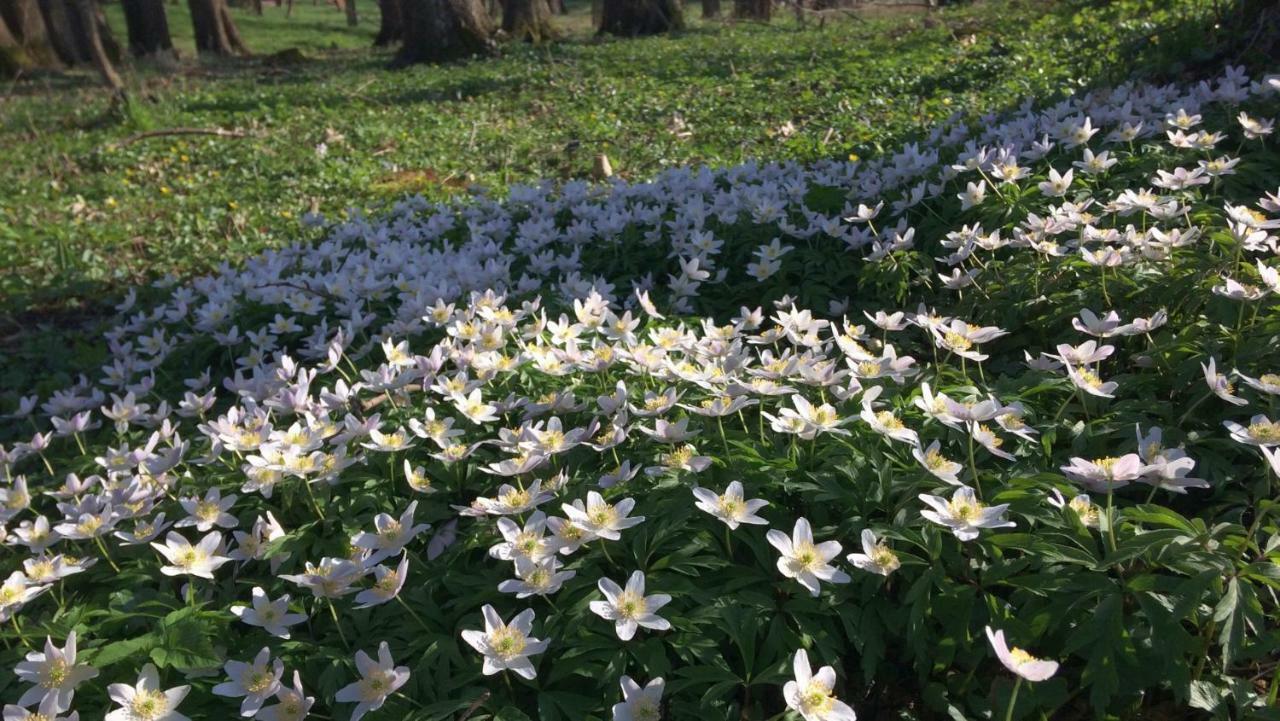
(630, 18)
(710, 8)
(215, 31)
(233, 32)
(13, 58)
(443, 30)
(148, 27)
(90, 15)
(753, 9)
(60, 27)
(527, 20)
(73, 34)
(27, 42)
(391, 26)
(350, 7)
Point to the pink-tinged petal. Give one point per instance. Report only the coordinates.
(706, 496)
(629, 688)
(828, 549)
(523, 622)
(491, 618)
(626, 628)
(121, 693)
(610, 589)
(936, 502)
(523, 668)
(657, 623)
(603, 609)
(364, 664)
(801, 668)
(780, 541)
(1038, 670)
(802, 533)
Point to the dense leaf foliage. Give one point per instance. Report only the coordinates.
(1018, 377)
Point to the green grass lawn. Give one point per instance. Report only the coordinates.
(80, 218)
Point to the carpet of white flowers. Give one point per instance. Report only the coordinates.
(985, 428)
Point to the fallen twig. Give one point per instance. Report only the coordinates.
(215, 132)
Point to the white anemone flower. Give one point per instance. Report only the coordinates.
(272, 616)
(810, 693)
(1018, 661)
(876, 557)
(640, 704)
(185, 559)
(255, 682)
(601, 518)
(293, 704)
(506, 646)
(629, 608)
(55, 674)
(731, 507)
(807, 563)
(378, 681)
(144, 701)
(964, 514)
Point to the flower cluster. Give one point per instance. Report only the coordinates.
(467, 413)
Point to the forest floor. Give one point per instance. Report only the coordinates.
(90, 206)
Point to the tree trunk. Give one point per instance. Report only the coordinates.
(148, 28)
(391, 26)
(61, 29)
(630, 18)
(233, 32)
(443, 30)
(527, 20)
(711, 8)
(753, 9)
(27, 43)
(352, 18)
(89, 15)
(13, 57)
(215, 31)
(73, 34)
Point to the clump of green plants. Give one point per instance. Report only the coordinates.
(88, 209)
(984, 426)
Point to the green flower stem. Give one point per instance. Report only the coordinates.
(1013, 699)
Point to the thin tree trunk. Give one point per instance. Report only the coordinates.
(443, 30)
(31, 46)
(13, 57)
(215, 31)
(88, 13)
(229, 26)
(629, 18)
(391, 25)
(352, 18)
(527, 20)
(753, 9)
(148, 27)
(711, 8)
(61, 32)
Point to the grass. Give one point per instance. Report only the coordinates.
(81, 217)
